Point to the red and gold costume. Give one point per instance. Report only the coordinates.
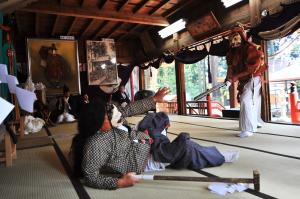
(246, 64)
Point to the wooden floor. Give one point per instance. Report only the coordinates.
(43, 171)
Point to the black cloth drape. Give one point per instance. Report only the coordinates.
(220, 49)
(188, 56)
(124, 73)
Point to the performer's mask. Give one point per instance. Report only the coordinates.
(235, 40)
(114, 116)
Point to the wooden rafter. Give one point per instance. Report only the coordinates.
(136, 9)
(55, 25)
(91, 24)
(121, 8)
(177, 7)
(104, 4)
(72, 25)
(96, 14)
(83, 2)
(99, 29)
(159, 7)
(109, 34)
(151, 12)
(139, 6)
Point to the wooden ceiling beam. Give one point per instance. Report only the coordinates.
(91, 24)
(159, 7)
(151, 12)
(55, 25)
(136, 9)
(139, 6)
(72, 26)
(104, 4)
(177, 7)
(110, 33)
(121, 8)
(99, 29)
(92, 13)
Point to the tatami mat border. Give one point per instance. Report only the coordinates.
(82, 193)
(280, 135)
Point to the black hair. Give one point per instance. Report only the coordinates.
(90, 121)
(66, 89)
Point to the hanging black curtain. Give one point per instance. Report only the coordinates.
(188, 56)
(208, 71)
(220, 49)
(287, 21)
(168, 58)
(124, 73)
(155, 64)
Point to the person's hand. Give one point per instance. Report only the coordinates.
(160, 94)
(129, 179)
(233, 79)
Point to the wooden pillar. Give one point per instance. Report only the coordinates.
(141, 79)
(255, 18)
(265, 93)
(180, 87)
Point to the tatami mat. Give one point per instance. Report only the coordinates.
(36, 174)
(279, 175)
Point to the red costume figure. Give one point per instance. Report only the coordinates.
(246, 64)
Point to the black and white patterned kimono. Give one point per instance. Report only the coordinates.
(108, 155)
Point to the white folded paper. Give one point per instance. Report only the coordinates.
(6, 108)
(12, 83)
(3, 73)
(26, 99)
(223, 188)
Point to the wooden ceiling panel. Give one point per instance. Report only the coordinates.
(96, 18)
(45, 24)
(89, 3)
(63, 25)
(52, 8)
(70, 2)
(108, 27)
(80, 26)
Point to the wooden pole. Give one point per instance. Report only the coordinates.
(255, 180)
(180, 88)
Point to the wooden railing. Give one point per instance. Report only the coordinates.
(192, 107)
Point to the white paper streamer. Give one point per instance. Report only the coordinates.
(12, 83)
(6, 108)
(26, 99)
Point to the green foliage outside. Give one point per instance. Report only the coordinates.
(195, 76)
(166, 78)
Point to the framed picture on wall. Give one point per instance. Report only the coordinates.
(101, 62)
(54, 63)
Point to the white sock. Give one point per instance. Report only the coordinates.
(230, 156)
